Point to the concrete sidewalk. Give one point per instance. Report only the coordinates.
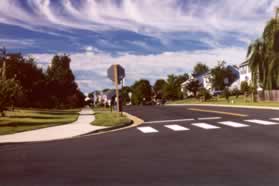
(79, 127)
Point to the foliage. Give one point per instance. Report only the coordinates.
(193, 86)
(263, 57)
(227, 94)
(54, 89)
(244, 87)
(159, 88)
(8, 91)
(141, 92)
(219, 74)
(235, 92)
(172, 90)
(125, 94)
(204, 94)
(200, 69)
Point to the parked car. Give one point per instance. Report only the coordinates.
(217, 92)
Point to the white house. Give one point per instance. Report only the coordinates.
(245, 72)
(205, 80)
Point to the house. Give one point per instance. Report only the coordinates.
(245, 72)
(205, 81)
(244, 75)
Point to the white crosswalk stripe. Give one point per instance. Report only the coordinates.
(205, 126)
(233, 124)
(147, 130)
(275, 119)
(176, 127)
(210, 118)
(261, 122)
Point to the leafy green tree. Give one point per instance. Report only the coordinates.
(61, 85)
(125, 94)
(200, 69)
(257, 62)
(142, 91)
(221, 73)
(9, 89)
(193, 86)
(26, 72)
(263, 58)
(172, 89)
(159, 88)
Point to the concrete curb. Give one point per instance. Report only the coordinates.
(135, 121)
(234, 106)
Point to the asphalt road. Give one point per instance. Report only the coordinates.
(225, 155)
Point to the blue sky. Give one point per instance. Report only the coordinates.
(150, 38)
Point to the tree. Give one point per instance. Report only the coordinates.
(200, 69)
(159, 88)
(204, 93)
(26, 72)
(61, 81)
(256, 62)
(221, 73)
(263, 57)
(193, 86)
(172, 89)
(8, 92)
(141, 92)
(125, 94)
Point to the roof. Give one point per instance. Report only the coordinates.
(110, 94)
(245, 63)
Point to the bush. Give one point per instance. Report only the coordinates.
(244, 87)
(204, 94)
(227, 94)
(235, 92)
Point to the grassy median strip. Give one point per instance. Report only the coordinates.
(109, 119)
(21, 120)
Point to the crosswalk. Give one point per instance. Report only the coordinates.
(209, 125)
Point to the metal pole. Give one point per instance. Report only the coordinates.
(116, 86)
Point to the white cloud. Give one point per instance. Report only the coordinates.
(150, 17)
(150, 67)
(16, 43)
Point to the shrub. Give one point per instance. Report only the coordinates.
(227, 94)
(204, 94)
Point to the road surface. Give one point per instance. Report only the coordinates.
(185, 145)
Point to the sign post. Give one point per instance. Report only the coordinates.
(116, 73)
(116, 86)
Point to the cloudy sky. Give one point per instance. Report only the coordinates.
(150, 38)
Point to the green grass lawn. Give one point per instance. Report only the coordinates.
(233, 101)
(29, 119)
(109, 119)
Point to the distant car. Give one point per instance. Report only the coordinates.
(217, 92)
(149, 102)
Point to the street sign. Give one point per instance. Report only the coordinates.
(120, 73)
